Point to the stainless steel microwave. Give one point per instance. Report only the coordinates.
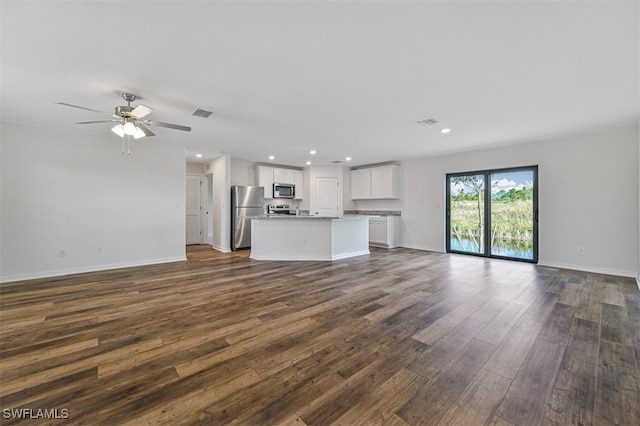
(284, 190)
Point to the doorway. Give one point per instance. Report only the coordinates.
(194, 210)
(208, 218)
(493, 213)
(326, 196)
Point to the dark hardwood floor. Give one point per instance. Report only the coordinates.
(397, 337)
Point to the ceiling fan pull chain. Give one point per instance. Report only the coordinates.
(129, 148)
(122, 145)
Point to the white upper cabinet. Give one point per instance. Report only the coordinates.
(298, 181)
(384, 182)
(284, 176)
(375, 183)
(264, 178)
(361, 184)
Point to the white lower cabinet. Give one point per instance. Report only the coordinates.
(384, 231)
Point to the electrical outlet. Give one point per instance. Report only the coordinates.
(99, 249)
(62, 253)
(580, 250)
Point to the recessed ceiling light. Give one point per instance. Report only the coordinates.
(348, 158)
(199, 155)
(313, 152)
(445, 131)
(308, 163)
(272, 157)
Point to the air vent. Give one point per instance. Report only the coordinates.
(202, 113)
(428, 122)
(336, 161)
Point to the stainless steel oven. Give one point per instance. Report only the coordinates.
(274, 210)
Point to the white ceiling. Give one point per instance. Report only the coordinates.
(344, 78)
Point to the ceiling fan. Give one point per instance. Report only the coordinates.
(130, 120)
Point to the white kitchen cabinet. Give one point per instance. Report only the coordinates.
(361, 184)
(384, 231)
(377, 232)
(298, 181)
(384, 182)
(376, 183)
(264, 178)
(284, 176)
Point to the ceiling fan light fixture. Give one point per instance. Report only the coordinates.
(138, 133)
(118, 130)
(129, 128)
(129, 119)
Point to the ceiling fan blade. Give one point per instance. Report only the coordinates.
(141, 111)
(79, 107)
(92, 122)
(146, 131)
(168, 125)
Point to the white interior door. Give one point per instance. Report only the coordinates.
(208, 200)
(194, 210)
(326, 196)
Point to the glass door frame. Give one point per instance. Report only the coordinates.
(487, 212)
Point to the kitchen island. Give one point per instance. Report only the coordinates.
(285, 237)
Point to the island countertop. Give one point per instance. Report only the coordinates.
(291, 216)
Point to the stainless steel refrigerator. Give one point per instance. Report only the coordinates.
(246, 202)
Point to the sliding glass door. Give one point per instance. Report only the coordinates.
(467, 213)
(493, 213)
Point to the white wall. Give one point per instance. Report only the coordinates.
(347, 202)
(195, 168)
(242, 172)
(75, 191)
(588, 196)
(380, 204)
(221, 170)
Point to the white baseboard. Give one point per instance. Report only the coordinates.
(310, 258)
(221, 249)
(423, 248)
(84, 269)
(352, 254)
(605, 271)
(290, 258)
